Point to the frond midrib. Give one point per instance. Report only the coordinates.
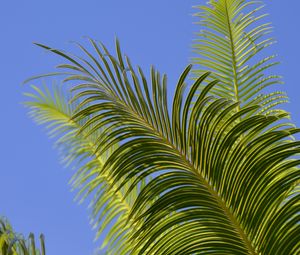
(233, 54)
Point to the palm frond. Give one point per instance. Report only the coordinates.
(218, 185)
(110, 207)
(15, 244)
(231, 45)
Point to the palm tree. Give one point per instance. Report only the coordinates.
(15, 244)
(215, 173)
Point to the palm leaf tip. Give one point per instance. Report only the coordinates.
(12, 243)
(231, 45)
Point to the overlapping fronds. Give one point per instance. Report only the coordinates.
(218, 185)
(110, 207)
(231, 44)
(15, 244)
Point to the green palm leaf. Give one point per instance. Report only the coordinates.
(231, 45)
(15, 244)
(110, 207)
(219, 186)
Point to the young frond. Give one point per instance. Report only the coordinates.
(231, 45)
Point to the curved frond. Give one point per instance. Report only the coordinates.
(219, 185)
(110, 207)
(231, 45)
(15, 244)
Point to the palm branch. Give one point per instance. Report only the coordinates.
(110, 207)
(231, 44)
(219, 186)
(15, 244)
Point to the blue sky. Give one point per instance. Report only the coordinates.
(34, 191)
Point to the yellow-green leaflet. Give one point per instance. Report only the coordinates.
(12, 243)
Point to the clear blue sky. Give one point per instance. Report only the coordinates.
(34, 191)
